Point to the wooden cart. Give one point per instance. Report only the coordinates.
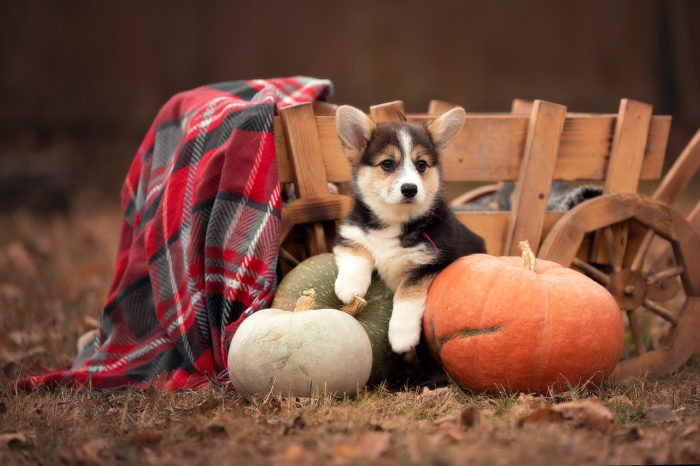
(608, 237)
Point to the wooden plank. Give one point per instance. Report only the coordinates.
(535, 180)
(324, 108)
(680, 174)
(284, 168)
(628, 147)
(304, 147)
(624, 169)
(655, 152)
(438, 107)
(390, 111)
(318, 208)
(492, 226)
(337, 166)
(521, 107)
(489, 225)
(489, 148)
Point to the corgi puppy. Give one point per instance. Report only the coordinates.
(400, 224)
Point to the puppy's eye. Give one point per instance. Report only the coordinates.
(387, 165)
(421, 165)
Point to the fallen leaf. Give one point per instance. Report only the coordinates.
(146, 437)
(127, 452)
(214, 427)
(16, 439)
(94, 447)
(469, 417)
(525, 403)
(297, 424)
(620, 400)
(543, 414)
(432, 398)
(271, 407)
(660, 413)
(201, 408)
(590, 413)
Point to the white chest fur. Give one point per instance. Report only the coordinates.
(391, 260)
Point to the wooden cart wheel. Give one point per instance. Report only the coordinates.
(637, 287)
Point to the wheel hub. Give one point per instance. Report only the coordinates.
(629, 288)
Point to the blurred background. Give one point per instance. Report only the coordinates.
(82, 79)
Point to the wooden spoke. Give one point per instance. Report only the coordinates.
(641, 254)
(596, 274)
(287, 257)
(663, 275)
(636, 332)
(612, 249)
(659, 310)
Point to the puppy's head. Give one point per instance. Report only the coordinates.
(396, 165)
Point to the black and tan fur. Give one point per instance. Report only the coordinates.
(400, 224)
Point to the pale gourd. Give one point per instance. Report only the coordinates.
(301, 353)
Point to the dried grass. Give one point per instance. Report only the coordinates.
(47, 305)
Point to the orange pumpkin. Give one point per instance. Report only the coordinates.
(496, 324)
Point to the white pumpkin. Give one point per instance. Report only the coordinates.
(301, 353)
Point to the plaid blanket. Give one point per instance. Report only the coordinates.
(199, 239)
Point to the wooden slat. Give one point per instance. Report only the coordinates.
(628, 147)
(337, 166)
(624, 170)
(318, 208)
(493, 226)
(535, 179)
(322, 108)
(438, 107)
(284, 167)
(488, 149)
(303, 144)
(390, 111)
(521, 107)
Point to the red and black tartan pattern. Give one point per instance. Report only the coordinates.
(199, 239)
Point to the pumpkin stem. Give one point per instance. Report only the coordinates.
(528, 256)
(306, 301)
(357, 305)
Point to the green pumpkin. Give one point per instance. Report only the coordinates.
(319, 272)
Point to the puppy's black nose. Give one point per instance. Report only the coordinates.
(409, 189)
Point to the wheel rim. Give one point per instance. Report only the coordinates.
(638, 286)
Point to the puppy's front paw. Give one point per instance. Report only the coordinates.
(354, 276)
(405, 325)
(346, 287)
(402, 337)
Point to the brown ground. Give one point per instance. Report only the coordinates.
(54, 274)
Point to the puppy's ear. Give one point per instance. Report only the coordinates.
(446, 127)
(354, 130)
